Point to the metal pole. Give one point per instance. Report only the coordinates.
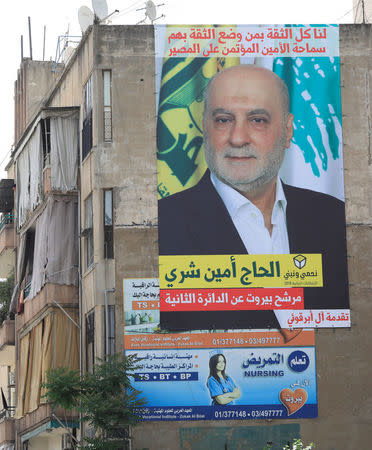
(107, 321)
(21, 47)
(80, 310)
(65, 312)
(29, 35)
(44, 43)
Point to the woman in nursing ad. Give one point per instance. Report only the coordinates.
(222, 388)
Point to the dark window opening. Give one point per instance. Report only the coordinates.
(87, 135)
(89, 337)
(28, 264)
(108, 224)
(87, 132)
(45, 136)
(88, 232)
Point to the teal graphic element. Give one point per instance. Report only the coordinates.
(315, 102)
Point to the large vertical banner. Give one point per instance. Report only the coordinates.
(250, 178)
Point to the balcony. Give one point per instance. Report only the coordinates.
(66, 296)
(7, 430)
(7, 339)
(46, 415)
(6, 195)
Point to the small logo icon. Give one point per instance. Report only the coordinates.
(293, 400)
(299, 261)
(298, 361)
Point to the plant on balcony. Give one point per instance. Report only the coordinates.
(105, 399)
(6, 291)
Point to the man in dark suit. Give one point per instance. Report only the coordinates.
(241, 206)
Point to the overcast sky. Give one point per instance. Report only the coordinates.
(61, 16)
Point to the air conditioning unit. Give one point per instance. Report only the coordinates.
(67, 442)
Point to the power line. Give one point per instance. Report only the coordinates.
(129, 8)
(5, 157)
(348, 12)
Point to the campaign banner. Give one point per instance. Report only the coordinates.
(249, 140)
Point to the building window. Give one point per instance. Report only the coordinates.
(107, 111)
(28, 263)
(108, 224)
(45, 137)
(88, 232)
(89, 337)
(111, 330)
(87, 133)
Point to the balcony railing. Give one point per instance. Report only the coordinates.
(27, 289)
(5, 220)
(9, 412)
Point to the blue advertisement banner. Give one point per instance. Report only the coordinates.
(227, 384)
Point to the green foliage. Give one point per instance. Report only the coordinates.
(104, 398)
(63, 388)
(298, 445)
(103, 444)
(6, 291)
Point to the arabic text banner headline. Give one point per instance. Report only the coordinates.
(222, 41)
(231, 299)
(236, 271)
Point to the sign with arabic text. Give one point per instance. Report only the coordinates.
(230, 299)
(224, 92)
(272, 382)
(235, 271)
(222, 41)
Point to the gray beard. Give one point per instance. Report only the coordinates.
(264, 176)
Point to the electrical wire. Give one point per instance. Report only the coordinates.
(129, 8)
(5, 157)
(348, 12)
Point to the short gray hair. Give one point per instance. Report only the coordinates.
(283, 90)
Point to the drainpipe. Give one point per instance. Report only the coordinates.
(107, 321)
(80, 293)
(80, 312)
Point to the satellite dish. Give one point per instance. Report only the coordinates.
(86, 18)
(100, 8)
(150, 10)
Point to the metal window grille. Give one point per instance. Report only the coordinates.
(107, 110)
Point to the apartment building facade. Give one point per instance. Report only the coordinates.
(85, 208)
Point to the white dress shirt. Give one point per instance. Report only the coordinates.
(249, 221)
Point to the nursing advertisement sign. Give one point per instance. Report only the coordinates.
(217, 375)
(250, 178)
